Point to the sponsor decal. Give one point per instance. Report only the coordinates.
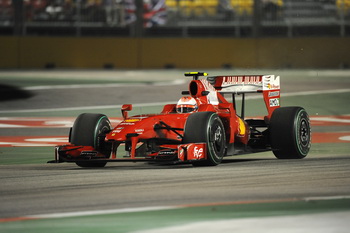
(274, 93)
(127, 123)
(272, 86)
(197, 152)
(167, 152)
(192, 151)
(140, 131)
(274, 102)
(242, 80)
(117, 130)
(271, 82)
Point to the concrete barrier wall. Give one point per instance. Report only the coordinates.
(64, 52)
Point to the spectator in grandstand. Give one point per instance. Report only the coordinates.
(130, 11)
(6, 11)
(55, 9)
(225, 8)
(154, 12)
(68, 9)
(111, 11)
(92, 11)
(45, 10)
(243, 7)
(343, 7)
(272, 9)
(36, 10)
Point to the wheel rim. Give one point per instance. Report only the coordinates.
(217, 138)
(304, 133)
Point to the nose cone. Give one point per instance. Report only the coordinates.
(127, 127)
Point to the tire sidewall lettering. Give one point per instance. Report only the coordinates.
(214, 121)
(100, 127)
(302, 118)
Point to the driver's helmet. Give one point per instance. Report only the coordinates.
(186, 104)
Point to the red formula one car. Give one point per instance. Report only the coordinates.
(201, 129)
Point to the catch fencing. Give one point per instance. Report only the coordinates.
(175, 18)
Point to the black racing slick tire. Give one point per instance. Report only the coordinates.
(87, 131)
(290, 133)
(206, 127)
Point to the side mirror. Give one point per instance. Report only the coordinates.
(225, 106)
(125, 109)
(205, 93)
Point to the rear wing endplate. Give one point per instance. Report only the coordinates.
(268, 85)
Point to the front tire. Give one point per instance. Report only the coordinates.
(207, 127)
(290, 133)
(86, 131)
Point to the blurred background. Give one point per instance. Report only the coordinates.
(174, 33)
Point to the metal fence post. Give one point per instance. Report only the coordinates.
(78, 22)
(18, 17)
(257, 18)
(139, 32)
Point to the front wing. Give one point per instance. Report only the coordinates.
(168, 153)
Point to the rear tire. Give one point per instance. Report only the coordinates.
(86, 131)
(207, 127)
(290, 133)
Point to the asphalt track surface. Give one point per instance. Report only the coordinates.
(31, 189)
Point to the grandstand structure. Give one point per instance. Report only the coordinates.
(175, 18)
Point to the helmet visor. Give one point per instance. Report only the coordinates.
(185, 109)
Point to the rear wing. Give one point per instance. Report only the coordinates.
(268, 85)
(245, 83)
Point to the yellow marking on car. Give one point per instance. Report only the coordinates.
(132, 120)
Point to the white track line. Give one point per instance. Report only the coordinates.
(334, 91)
(76, 86)
(291, 94)
(331, 222)
(83, 108)
(100, 212)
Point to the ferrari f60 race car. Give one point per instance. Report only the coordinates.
(202, 136)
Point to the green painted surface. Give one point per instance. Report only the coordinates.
(127, 222)
(23, 155)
